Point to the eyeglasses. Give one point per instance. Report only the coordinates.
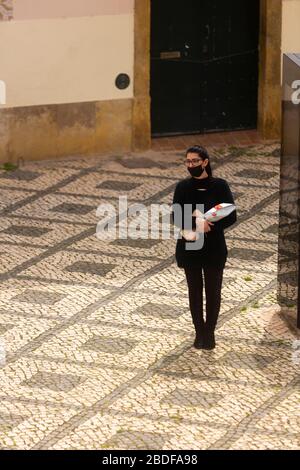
(194, 162)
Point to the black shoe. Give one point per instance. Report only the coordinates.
(199, 341)
(209, 341)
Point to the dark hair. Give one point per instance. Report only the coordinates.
(203, 153)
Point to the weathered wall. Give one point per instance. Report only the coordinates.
(269, 99)
(60, 58)
(59, 61)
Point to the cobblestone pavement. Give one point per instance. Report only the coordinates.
(98, 336)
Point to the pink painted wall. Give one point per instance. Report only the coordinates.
(38, 9)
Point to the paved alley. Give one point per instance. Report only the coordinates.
(96, 338)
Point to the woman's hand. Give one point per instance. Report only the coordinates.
(203, 226)
(189, 235)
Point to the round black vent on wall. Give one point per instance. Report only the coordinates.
(122, 81)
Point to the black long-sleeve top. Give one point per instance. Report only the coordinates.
(208, 191)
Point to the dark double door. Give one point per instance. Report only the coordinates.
(204, 65)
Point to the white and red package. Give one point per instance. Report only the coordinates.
(216, 213)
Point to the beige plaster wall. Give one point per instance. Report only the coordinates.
(37, 9)
(51, 61)
(291, 26)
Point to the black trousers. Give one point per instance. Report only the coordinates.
(213, 277)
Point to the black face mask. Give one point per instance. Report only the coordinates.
(196, 171)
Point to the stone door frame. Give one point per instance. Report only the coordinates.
(269, 93)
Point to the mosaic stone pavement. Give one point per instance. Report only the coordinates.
(96, 336)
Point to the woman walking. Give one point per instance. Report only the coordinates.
(202, 188)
